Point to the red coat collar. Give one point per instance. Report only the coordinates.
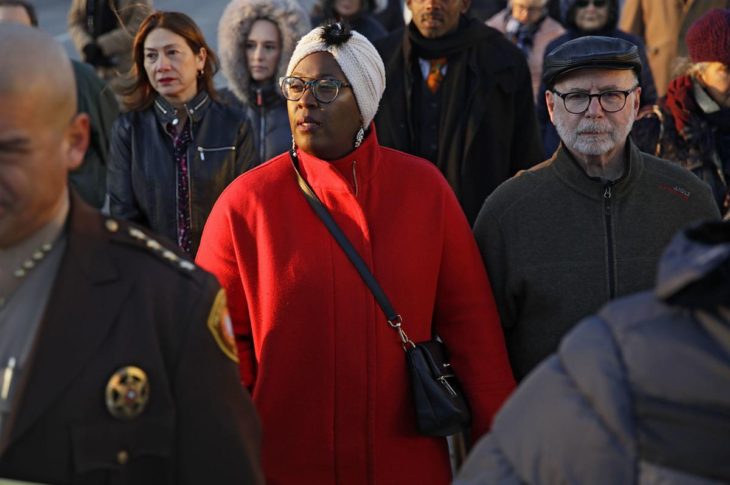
(337, 174)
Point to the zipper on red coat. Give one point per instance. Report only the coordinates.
(354, 177)
(609, 240)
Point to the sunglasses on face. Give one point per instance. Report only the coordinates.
(595, 3)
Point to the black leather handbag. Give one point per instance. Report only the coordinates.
(440, 405)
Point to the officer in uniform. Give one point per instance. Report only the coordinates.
(117, 363)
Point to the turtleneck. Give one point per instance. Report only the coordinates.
(349, 173)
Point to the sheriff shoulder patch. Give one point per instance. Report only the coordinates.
(219, 324)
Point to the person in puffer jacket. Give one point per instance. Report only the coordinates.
(636, 394)
(256, 38)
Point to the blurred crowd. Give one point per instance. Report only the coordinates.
(203, 285)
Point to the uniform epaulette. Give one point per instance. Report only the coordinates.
(129, 234)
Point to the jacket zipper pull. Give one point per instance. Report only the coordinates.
(202, 154)
(259, 98)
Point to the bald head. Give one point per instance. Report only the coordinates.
(37, 67)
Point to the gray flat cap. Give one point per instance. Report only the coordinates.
(590, 52)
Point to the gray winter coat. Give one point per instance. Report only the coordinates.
(265, 106)
(637, 394)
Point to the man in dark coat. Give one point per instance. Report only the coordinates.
(458, 94)
(635, 394)
(117, 362)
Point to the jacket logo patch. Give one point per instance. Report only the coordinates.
(676, 190)
(219, 324)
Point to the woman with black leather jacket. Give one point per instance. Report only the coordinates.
(177, 147)
(256, 39)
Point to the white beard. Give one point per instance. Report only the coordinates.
(594, 145)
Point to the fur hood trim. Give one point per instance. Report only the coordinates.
(235, 24)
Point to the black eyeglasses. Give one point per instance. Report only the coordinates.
(324, 90)
(596, 3)
(610, 101)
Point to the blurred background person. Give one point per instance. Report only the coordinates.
(590, 17)
(395, 14)
(255, 40)
(662, 25)
(390, 14)
(178, 147)
(526, 23)
(459, 95)
(637, 393)
(94, 98)
(691, 124)
(486, 9)
(358, 13)
(327, 373)
(102, 31)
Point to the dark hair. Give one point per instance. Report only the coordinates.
(139, 94)
(29, 9)
(611, 20)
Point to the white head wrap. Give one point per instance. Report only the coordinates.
(358, 59)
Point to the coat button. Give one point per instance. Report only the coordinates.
(122, 457)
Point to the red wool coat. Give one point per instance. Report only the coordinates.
(327, 374)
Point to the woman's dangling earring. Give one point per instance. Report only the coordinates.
(359, 136)
(200, 73)
(293, 146)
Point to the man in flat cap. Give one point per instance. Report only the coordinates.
(587, 225)
(117, 364)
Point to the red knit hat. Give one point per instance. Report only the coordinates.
(708, 39)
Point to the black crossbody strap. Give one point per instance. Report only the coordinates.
(394, 319)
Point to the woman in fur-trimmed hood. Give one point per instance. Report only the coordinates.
(256, 38)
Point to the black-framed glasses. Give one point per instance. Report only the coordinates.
(324, 90)
(596, 3)
(610, 101)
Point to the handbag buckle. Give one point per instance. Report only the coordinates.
(397, 322)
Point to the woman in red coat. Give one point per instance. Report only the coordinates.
(327, 374)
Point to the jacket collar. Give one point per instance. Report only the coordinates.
(265, 94)
(328, 174)
(573, 175)
(195, 109)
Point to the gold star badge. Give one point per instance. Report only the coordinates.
(127, 393)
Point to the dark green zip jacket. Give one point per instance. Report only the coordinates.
(558, 244)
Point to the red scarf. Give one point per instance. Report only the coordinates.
(681, 103)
